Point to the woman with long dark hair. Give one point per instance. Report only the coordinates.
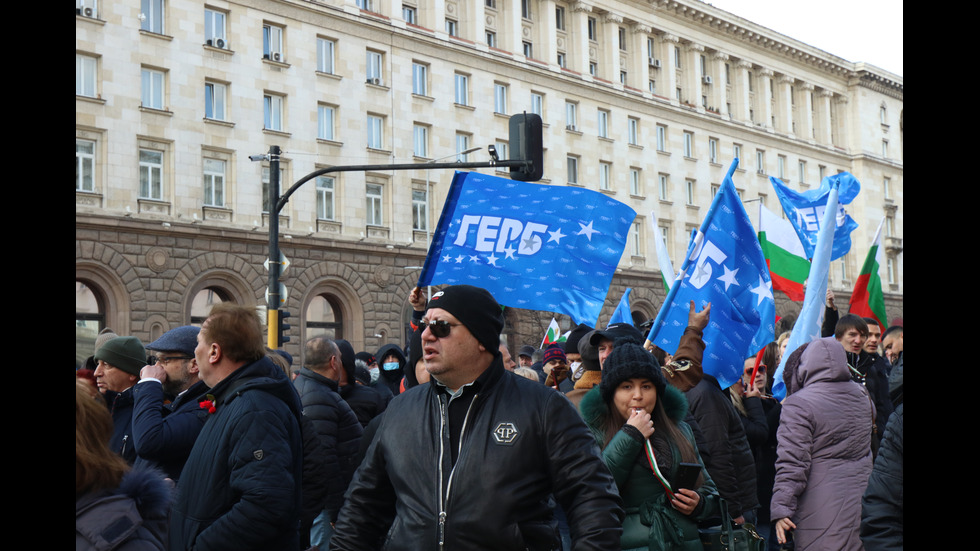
(637, 420)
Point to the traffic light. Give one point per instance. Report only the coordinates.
(526, 145)
(283, 328)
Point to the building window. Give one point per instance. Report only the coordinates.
(728, 74)
(214, 183)
(677, 57)
(886, 188)
(661, 138)
(593, 29)
(373, 72)
(883, 114)
(593, 68)
(325, 198)
(781, 167)
(689, 144)
(663, 188)
(760, 161)
(571, 115)
(326, 121)
(214, 28)
(652, 86)
(605, 175)
(503, 152)
(572, 170)
(452, 28)
(622, 39)
(324, 317)
(410, 14)
(325, 50)
(802, 169)
(84, 165)
(151, 174)
(272, 42)
(274, 104)
(714, 190)
(152, 86)
(560, 18)
(633, 131)
(374, 194)
(636, 186)
(421, 140)
(821, 172)
(526, 9)
(500, 98)
(375, 132)
(420, 79)
(537, 104)
(265, 186)
(561, 59)
(491, 39)
(636, 235)
(712, 150)
(689, 188)
(884, 148)
(462, 89)
(528, 49)
(462, 144)
(152, 16)
(490, 3)
(420, 218)
(677, 93)
(622, 78)
(737, 151)
(214, 101)
(366, 5)
(603, 123)
(85, 75)
(892, 280)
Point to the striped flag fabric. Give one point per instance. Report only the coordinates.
(663, 259)
(787, 261)
(867, 300)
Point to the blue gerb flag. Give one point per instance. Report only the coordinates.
(805, 211)
(622, 314)
(724, 266)
(533, 246)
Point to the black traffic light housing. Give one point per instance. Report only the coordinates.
(283, 328)
(526, 145)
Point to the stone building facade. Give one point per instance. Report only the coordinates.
(645, 101)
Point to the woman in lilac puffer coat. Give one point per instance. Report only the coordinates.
(824, 452)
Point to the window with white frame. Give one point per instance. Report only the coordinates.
(375, 132)
(152, 16)
(636, 182)
(714, 190)
(677, 57)
(526, 9)
(602, 123)
(84, 165)
(491, 39)
(214, 101)
(266, 175)
(663, 187)
(593, 28)
(214, 183)
(884, 148)
(633, 130)
(152, 88)
(462, 144)
(490, 3)
(373, 71)
(737, 151)
(272, 42)
(325, 197)
(760, 161)
(560, 18)
(605, 175)
(528, 49)
(462, 96)
(622, 39)
(410, 14)
(214, 28)
(273, 111)
(561, 59)
(374, 196)
(452, 27)
(843, 269)
(421, 140)
(326, 120)
(688, 144)
(151, 174)
(802, 171)
(572, 169)
(712, 150)
(593, 68)
(365, 5)
(420, 216)
(420, 79)
(890, 270)
(537, 104)
(821, 172)
(661, 138)
(636, 238)
(665, 236)
(689, 189)
(886, 188)
(503, 152)
(326, 49)
(571, 115)
(86, 71)
(622, 77)
(781, 167)
(883, 114)
(500, 98)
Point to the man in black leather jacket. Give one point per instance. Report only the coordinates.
(470, 460)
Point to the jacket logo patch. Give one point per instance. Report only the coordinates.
(505, 433)
(258, 455)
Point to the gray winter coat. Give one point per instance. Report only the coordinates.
(824, 454)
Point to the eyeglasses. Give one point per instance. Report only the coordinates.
(762, 369)
(164, 360)
(439, 328)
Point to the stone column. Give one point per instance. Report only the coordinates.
(784, 104)
(823, 131)
(609, 51)
(578, 38)
(804, 112)
(545, 33)
(765, 105)
(741, 103)
(638, 67)
(668, 69)
(718, 96)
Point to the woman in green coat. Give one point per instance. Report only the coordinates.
(637, 420)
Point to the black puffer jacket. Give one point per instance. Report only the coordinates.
(723, 445)
(521, 441)
(392, 378)
(883, 505)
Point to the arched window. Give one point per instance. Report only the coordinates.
(324, 317)
(204, 300)
(89, 320)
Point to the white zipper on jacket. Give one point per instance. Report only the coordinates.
(444, 500)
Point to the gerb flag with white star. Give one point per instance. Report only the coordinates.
(532, 246)
(725, 266)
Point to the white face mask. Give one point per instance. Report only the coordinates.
(375, 373)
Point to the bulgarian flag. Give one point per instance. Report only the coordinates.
(788, 265)
(663, 259)
(553, 334)
(867, 299)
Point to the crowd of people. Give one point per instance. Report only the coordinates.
(601, 442)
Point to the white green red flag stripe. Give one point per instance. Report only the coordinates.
(663, 259)
(788, 265)
(553, 334)
(867, 300)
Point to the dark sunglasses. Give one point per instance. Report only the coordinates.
(439, 328)
(762, 369)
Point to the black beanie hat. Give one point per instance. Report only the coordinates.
(476, 309)
(629, 360)
(571, 343)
